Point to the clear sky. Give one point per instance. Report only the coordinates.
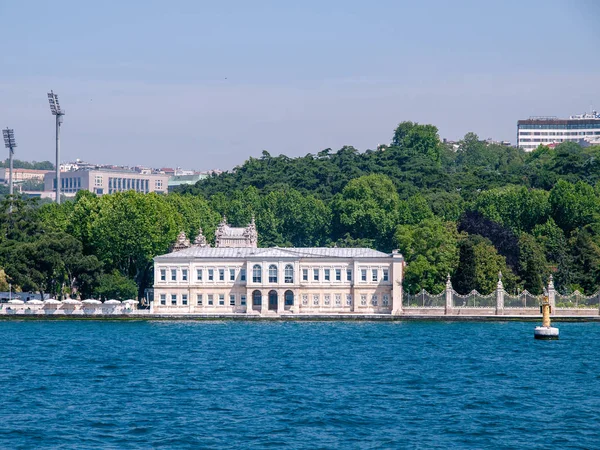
(205, 85)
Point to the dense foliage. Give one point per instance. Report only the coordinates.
(471, 210)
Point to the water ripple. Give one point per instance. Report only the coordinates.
(72, 385)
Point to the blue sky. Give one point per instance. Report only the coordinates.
(207, 84)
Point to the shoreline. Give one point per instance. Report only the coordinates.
(311, 318)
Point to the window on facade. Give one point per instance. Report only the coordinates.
(222, 299)
(386, 275)
(163, 275)
(173, 299)
(363, 300)
(242, 300)
(163, 299)
(348, 274)
(289, 298)
(256, 298)
(243, 274)
(363, 274)
(385, 299)
(173, 275)
(374, 300)
(199, 274)
(210, 299)
(338, 299)
(184, 274)
(256, 274)
(327, 274)
(338, 274)
(211, 274)
(232, 300)
(221, 274)
(304, 274)
(289, 274)
(374, 276)
(316, 299)
(348, 299)
(305, 299)
(327, 299)
(184, 299)
(231, 274)
(272, 273)
(316, 274)
(199, 299)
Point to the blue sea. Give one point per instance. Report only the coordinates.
(229, 384)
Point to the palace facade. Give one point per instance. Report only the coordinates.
(236, 277)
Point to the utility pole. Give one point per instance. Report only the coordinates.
(9, 142)
(58, 113)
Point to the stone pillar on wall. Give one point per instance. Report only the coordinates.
(449, 291)
(152, 306)
(397, 278)
(499, 296)
(280, 301)
(551, 294)
(264, 303)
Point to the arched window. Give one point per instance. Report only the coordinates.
(289, 274)
(272, 273)
(289, 298)
(256, 274)
(256, 298)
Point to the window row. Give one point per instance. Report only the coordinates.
(203, 299)
(204, 274)
(337, 300)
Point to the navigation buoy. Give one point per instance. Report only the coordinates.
(545, 331)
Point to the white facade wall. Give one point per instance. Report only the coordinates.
(317, 285)
(530, 135)
(102, 182)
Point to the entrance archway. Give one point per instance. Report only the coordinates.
(256, 300)
(273, 300)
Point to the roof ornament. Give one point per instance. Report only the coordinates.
(200, 240)
(181, 243)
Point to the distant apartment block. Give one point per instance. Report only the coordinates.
(548, 130)
(107, 181)
(20, 175)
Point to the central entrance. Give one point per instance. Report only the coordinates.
(272, 300)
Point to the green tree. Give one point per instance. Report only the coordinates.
(478, 267)
(430, 249)
(130, 230)
(367, 209)
(533, 267)
(115, 286)
(573, 205)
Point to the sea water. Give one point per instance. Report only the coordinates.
(230, 384)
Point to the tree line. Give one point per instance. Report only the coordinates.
(470, 210)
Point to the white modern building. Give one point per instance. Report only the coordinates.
(236, 277)
(547, 130)
(105, 181)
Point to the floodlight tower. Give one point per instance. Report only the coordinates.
(9, 142)
(58, 113)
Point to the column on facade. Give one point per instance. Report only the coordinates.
(397, 276)
(355, 294)
(280, 300)
(249, 298)
(449, 292)
(500, 296)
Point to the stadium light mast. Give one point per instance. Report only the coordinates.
(9, 142)
(58, 113)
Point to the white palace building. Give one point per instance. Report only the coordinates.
(237, 277)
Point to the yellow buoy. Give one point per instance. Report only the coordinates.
(546, 331)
